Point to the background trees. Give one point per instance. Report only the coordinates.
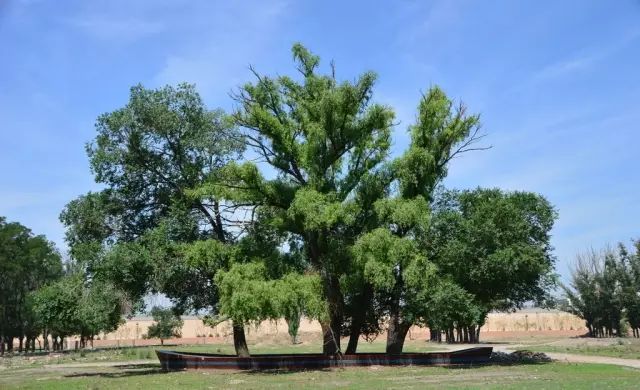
(73, 305)
(27, 262)
(167, 324)
(605, 291)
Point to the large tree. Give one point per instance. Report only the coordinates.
(390, 255)
(494, 244)
(328, 144)
(148, 154)
(322, 138)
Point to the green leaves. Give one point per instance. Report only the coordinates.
(441, 132)
(27, 262)
(315, 211)
(494, 244)
(605, 291)
(162, 143)
(70, 306)
(167, 324)
(247, 295)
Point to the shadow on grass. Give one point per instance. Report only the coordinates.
(117, 374)
(133, 370)
(495, 364)
(281, 371)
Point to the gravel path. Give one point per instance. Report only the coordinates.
(573, 358)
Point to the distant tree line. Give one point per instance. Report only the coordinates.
(41, 296)
(605, 291)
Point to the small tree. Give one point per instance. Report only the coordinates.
(167, 325)
(293, 326)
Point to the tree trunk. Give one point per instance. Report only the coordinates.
(354, 337)
(358, 316)
(331, 330)
(396, 333)
(240, 341)
(330, 339)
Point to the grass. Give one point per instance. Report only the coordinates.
(622, 348)
(541, 376)
(108, 369)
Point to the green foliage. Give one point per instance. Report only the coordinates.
(605, 291)
(494, 244)
(320, 223)
(293, 325)
(248, 296)
(441, 132)
(71, 306)
(134, 234)
(100, 309)
(27, 262)
(449, 306)
(167, 324)
(161, 143)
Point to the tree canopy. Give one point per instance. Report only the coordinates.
(316, 219)
(605, 290)
(167, 324)
(27, 262)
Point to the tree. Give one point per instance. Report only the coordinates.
(328, 143)
(293, 326)
(27, 262)
(149, 154)
(57, 307)
(390, 254)
(73, 305)
(100, 310)
(495, 245)
(605, 291)
(323, 138)
(167, 324)
(631, 285)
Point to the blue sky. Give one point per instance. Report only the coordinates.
(557, 84)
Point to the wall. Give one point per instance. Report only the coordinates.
(530, 320)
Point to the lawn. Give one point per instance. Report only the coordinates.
(112, 369)
(538, 376)
(627, 349)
